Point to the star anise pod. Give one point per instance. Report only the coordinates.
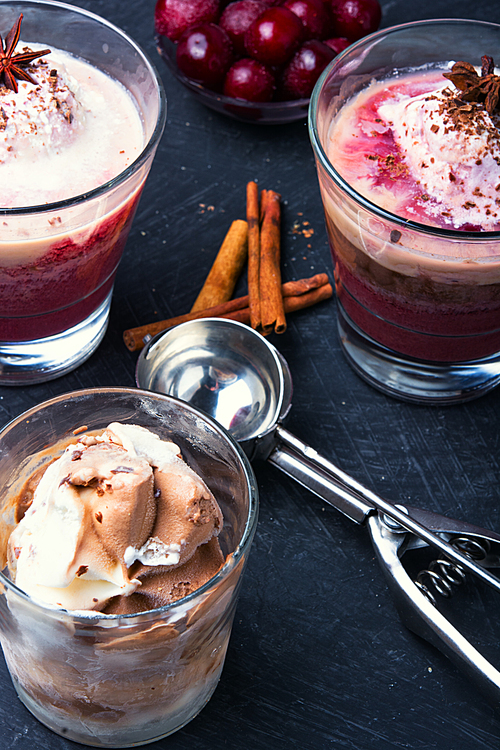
(484, 88)
(11, 65)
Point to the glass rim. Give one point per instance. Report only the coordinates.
(148, 147)
(94, 616)
(321, 155)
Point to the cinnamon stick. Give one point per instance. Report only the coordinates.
(271, 300)
(297, 295)
(226, 269)
(253, 221)
(290, 304)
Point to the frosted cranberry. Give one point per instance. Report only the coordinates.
(304, 69)
(173, 17)
(274, 36)
(314, 16)
(251, 80)
(355, 18)
(204, 54)
(338, 44)
(237, 18)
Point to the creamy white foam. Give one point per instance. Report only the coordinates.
(73, 131)
(445, 154)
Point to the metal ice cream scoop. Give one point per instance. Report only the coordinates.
(235, 375)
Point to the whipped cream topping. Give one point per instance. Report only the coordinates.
(73, 131)
(40, 119)
(412, 147)
(452, 149)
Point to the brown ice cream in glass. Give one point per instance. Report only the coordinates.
(127, 519)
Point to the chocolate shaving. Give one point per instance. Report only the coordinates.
(81, 570)
(122, 470)
(98, 516)
(65, 110)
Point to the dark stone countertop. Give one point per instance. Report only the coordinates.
(318, 656)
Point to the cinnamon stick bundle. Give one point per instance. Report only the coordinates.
(226, 269)
(264, 250)
(297, 295)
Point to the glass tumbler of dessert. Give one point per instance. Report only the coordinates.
(126, 522)
(405, 127)
(81, 113)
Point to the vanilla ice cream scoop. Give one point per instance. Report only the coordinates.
(112, 501)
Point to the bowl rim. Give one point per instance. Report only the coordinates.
(163, 41)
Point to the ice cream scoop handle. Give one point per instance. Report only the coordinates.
(321, 483)
(301, 462)
(424, 619)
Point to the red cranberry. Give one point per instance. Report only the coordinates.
(314, 16)
(355, 18)
(251, 80)
(304, 69)
(173, 17)
(236, 19)
(338, 44)
(204, 54)
(274, 36)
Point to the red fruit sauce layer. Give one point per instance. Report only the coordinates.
(416, 316)
(64, 286)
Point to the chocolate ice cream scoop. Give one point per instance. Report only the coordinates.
(187, 514)
(113, 509)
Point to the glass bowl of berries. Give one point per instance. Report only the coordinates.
(258, 60)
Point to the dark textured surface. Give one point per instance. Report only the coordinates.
(318, 656)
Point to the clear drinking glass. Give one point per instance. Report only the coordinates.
(124, 680)
(54, 307)
(418, 306)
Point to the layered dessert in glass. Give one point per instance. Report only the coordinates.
(124, 544)
(79, 125)
(409, 167)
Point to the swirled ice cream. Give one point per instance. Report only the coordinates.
(118, 523)
(411, 146)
